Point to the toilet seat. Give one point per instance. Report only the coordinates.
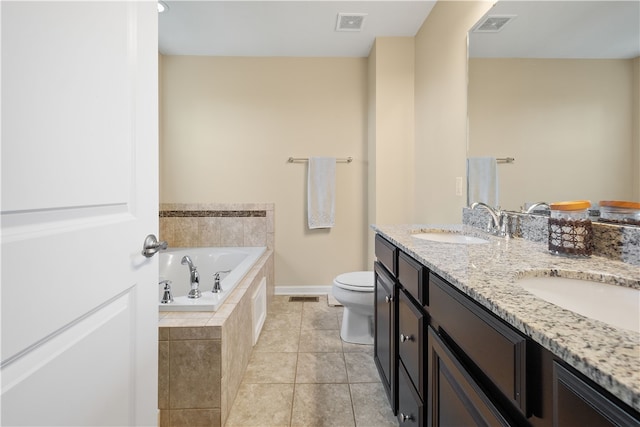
(359, 281)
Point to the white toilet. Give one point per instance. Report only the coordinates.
(355, 292)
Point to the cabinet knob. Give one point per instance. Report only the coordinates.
(404, 417)
(404, 337)
(388, 298)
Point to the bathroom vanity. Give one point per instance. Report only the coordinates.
(459, 342)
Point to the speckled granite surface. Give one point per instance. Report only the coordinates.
(488, 272)
(611, 241)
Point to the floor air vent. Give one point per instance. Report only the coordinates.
(304, 299)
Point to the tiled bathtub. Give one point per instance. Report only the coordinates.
(203, 355)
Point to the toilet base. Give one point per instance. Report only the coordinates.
(356, 328)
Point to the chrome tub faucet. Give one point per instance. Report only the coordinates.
(194, 277)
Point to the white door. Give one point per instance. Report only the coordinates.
(79, 195)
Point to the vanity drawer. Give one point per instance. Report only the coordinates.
(414, 277)
(387, 254)
(410, 406)
(494, 351)
(411, 323)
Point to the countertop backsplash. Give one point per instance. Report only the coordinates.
(621, 243)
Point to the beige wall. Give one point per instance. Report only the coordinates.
(568, 123)
(230, 124)
(391, 132)
(636, 128)
(441, 110)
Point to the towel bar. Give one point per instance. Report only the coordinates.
(505, 160)
(306, 159)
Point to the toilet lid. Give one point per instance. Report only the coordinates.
(357, 279)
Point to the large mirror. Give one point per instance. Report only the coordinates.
(557, 88)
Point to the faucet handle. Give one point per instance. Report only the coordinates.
(216, 280)
(217, 274)
(167, 297)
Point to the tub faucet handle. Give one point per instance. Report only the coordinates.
(216, 281)
(166, 295)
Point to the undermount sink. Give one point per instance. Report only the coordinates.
(449, 237)
(615, 305)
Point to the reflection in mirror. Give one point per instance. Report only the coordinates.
(558, 88)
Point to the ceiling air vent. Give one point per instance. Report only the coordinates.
(350, 21)
(493, 23)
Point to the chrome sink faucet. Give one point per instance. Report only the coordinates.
(499, 218)
(536, 205)
(194, 277)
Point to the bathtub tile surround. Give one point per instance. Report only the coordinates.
(616, 242)
(288, 383)
(203, 355)
(217, 224)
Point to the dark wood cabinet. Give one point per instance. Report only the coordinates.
(410, 406)
(488, 345)
(385, 334)
(455, 399)
(414, 278)
(411, 321)
(387, 255)
(447, 361)
(576, 403)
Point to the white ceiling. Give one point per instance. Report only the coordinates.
(282, 28)
(542, 29)
(562, 29)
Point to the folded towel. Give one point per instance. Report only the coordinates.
(321, 191)
(482, 180)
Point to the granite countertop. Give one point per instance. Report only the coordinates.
(487, 273)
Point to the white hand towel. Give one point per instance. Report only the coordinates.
(482, 179)
(321, 191)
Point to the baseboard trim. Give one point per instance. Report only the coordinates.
(302, 290)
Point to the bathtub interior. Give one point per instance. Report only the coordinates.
(208, 261)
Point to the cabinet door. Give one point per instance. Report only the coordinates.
(411, 340)
(577, 404)
(384, 345)
(455, 399)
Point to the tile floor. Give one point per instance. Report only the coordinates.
(302, 374)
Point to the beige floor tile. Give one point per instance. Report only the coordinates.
(320, 340)
(322, 405)
(370, 406)
(361, 368)
(262, 405)
(321, 368)
(283, 320)
(302, 374)
(348, 347)
(194, 417)
(281, 304)
(317, 319)
(321, 305)
(271, 368)
(283, 340)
